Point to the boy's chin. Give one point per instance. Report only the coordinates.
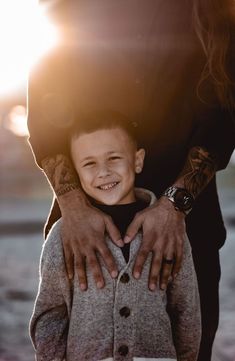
(113, 197)
(114, 200)
(107, 202)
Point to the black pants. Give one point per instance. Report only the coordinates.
(207, 266)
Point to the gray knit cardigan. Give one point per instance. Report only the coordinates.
(124, 321)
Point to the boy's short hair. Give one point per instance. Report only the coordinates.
(104, 119)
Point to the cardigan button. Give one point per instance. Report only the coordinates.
(123, 350)
(125, 312)
(125, 278)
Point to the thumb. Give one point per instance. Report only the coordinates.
(113, 232)
(133, 229)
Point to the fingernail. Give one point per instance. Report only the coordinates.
(152, 286)
(83, 286)
(136, 275)
(114, 274)
(70, 276)
(127, 239)
(120, 243)
(99, 284)
(163, 286)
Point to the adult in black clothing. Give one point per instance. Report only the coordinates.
(169, 74)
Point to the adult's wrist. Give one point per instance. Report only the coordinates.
(73, 197)
(168, 205)
(181, 199)
(68, 188)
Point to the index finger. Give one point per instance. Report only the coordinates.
(108, 260)
(94, 265)
(140, 259)
(133, 228)
(113, 232)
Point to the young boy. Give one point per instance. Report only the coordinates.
(124, 320)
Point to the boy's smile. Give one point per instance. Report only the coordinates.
(109, 186)
(106, 161)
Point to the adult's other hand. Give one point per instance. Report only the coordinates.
(164, 233)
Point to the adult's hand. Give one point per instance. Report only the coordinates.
(83, 230)
(83, 226)
(164, 233)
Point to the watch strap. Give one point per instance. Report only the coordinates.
(170, 193)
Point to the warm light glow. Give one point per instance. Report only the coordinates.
(25, 35)
(17, 121)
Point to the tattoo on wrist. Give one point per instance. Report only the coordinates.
(67, 189)
(199, 170)
(61, 174)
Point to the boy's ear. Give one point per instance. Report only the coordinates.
(139, 160)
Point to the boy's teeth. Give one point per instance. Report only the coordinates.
(108, 186)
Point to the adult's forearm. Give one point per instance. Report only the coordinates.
(199, 169)
(62, 177)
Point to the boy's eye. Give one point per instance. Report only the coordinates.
(88, 164)
(114, 157)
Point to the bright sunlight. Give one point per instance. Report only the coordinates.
(17, 121)
(25, 35)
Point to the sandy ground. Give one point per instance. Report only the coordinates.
(19, 256)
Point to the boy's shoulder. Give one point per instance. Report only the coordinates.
(52, 262)
(52, 246)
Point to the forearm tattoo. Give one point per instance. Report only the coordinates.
(61, 174)
(199, 169)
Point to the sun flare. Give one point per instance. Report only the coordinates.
(17, 121)
(25, 35)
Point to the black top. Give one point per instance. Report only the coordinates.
(122, 215)
(144, 61)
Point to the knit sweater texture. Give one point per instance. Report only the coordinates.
(124, 321)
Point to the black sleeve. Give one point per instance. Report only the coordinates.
(215, 125)
(49, 105)
(215, 131)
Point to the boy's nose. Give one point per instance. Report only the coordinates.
(104, 171)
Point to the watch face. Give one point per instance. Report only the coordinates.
(183, 200)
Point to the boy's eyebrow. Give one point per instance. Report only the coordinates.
(89, 157)
(114, 151)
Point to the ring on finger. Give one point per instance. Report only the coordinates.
(168, 261)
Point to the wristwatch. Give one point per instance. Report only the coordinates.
(183, 201)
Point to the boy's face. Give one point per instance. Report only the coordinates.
(106, 161)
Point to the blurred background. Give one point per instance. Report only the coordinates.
(26, 34)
